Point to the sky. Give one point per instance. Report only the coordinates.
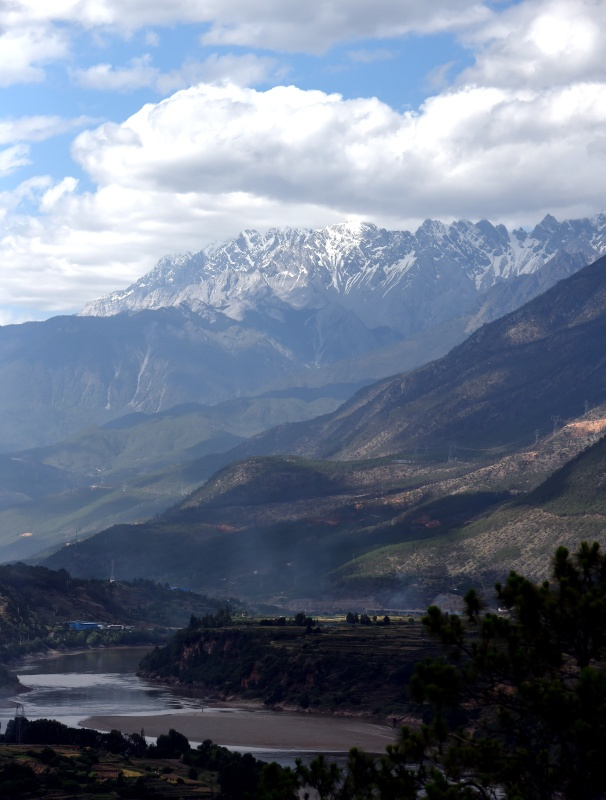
(133, 129)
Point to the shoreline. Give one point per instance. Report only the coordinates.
(241, 727)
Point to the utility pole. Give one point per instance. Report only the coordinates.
(19, 717)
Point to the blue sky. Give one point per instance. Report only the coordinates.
(133, 129)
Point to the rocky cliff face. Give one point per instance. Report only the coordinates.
(406, 281)
(347, 304)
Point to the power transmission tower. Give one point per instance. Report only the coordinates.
(555, 419)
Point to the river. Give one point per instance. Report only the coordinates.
(72, 687)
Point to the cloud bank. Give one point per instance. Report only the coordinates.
(520, 133)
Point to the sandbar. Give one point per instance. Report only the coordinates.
(258, 729)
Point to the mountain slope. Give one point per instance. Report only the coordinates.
(276, 525)
(265, 527)
(70, 372)
(131, 468)
(283, 528)
(513, 376)
(288, 309)
(567, 508)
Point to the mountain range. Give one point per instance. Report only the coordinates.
(539, 365)
(129, 407)
(415, 471)
(276, 313)
(383, 279)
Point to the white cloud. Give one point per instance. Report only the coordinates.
(534, 41)
(318, 24)
(139, 73)
(37, 128)
(11, 158)
(358, 156)
(246, 70)
(283, 25)
(55, 193)
(35, 34)
(26, 190)
(541, 44)
(23, 51)
(211, 160)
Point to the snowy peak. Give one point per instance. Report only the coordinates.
(408, 281)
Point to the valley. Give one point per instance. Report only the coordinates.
(288, 531)
(303, 400)
(277, 470)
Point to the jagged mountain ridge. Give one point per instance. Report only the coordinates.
(413, 281)
(542, 361)
(347, 304)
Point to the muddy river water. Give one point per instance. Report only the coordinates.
(102, 685)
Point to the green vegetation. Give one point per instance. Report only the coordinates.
(36, 602)
(577, 488)
(512, 705)
(53, 760)
(515, 709)
(132, 468)
(339, 667)
(277, 525)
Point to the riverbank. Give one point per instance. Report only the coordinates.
(239, 727)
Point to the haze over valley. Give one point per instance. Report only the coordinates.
(303, 399)
(191, 404)
(272, 282)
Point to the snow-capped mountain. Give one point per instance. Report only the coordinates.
(280, 312)
(407, 282)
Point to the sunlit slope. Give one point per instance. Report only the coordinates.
(510, 378)
(568, 507)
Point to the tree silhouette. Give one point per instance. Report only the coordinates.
(516, 707)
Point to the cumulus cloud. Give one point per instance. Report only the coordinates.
(540, 44)
(24, 51)
(358, 156)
